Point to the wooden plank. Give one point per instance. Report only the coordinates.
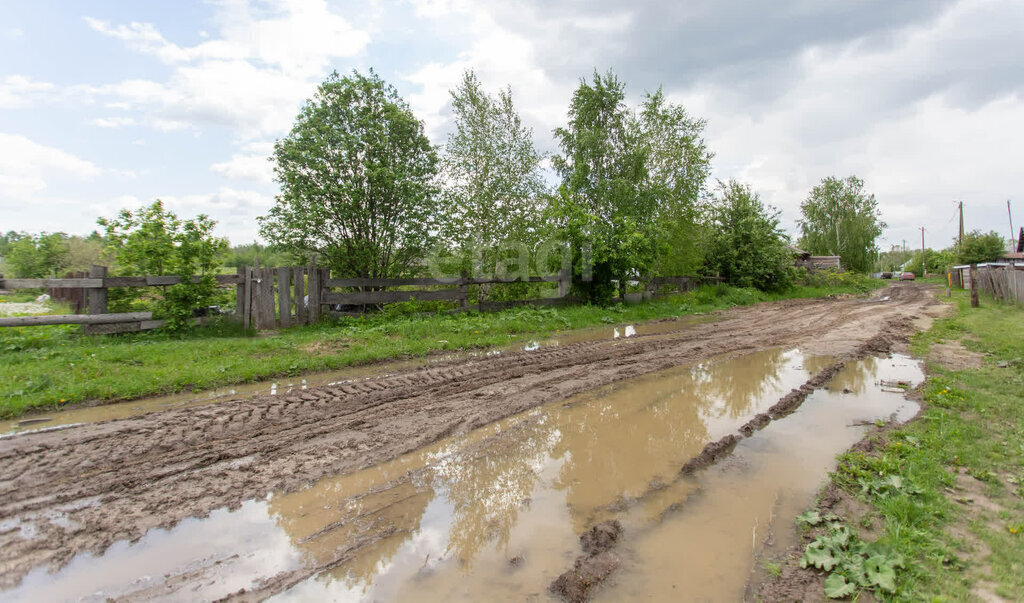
(388, 297)
(240, 294)
(299, 277)
(228, 279)
(247, 300)
(51, 283)
(125, 281)
(267, 298)
(388, 282)
(73, 319)
(97, 297)
(110, 329)
(152, 281)
(315, 293)
(284, 296)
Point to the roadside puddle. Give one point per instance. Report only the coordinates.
(132, 408)
(497, 513)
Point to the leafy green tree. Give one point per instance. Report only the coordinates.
(491, 173)
(37, 256)
(976, 247)
(154, 241)
(356, 174)
(678, 164)
(935, 261)
(745, 244)
(600, 207)
(840, 218)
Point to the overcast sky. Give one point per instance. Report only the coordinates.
(107, 105)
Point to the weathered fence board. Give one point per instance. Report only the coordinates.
(362, 298)
(1005, 283)
(299, 278)
(284, 296)
(72, 319)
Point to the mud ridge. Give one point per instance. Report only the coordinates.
(593, 567)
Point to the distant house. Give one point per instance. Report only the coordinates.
(804, 259)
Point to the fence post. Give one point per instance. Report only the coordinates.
(298, 275)
(240, 293)
(974, 285)
(284, 291)
(564, 278)
(247, 299)
(97, 297)
(314, 292)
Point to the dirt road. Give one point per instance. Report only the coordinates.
(84, 488)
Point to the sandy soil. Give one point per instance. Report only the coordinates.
(85, 487)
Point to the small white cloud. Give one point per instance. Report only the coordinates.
(14, 33)
(17, 91)
(26, 165)
(113, 122)
(254, 165)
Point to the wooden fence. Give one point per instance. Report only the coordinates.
(1005, 283)
(270, 298)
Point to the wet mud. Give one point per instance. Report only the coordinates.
(124, 486)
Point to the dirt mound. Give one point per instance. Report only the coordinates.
(592, 568)
(86, 487)
(711, 453)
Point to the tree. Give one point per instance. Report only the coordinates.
(678, 165)
(154, 241)
(600, 206)
(356, 175)
(36, 256)
(976, 248)
(746, 246)
(491, 173)
(840, 218)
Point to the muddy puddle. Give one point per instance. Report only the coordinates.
(496, 514)
(133, 408)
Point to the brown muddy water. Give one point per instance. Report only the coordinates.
(497, 513)
(132, 408)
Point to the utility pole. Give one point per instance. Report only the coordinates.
(1013, 243)
(960, 241)
(924, 269)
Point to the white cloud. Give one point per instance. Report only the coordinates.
(18, 91)
(25, 167)
(253, 164)
(251, 77)
(112, 122)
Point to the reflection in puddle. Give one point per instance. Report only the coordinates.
(446, 521)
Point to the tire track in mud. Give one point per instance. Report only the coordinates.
(116, 480)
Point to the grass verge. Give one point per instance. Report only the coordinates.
(49, 367)
(944, 494)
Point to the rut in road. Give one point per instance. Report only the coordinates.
(86, 487)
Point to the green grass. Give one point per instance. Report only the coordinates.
(972, 420)
(50, 367)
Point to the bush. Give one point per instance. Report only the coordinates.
(154, 241)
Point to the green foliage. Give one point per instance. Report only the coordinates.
(852, 564)
(36, 256)
(977, 248)
(356, 174)
(154, 241)
(840, 218)
(629, 184)
(493, 185)
(934, 261)
(268, 256)
(746, 245)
